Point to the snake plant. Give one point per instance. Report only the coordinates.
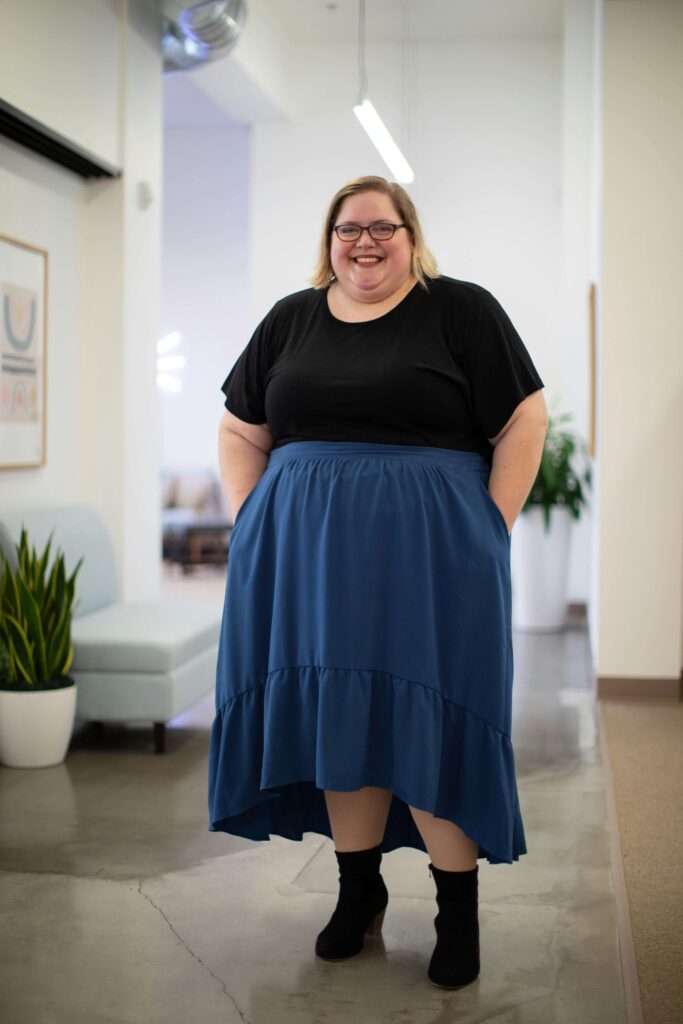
(35, 620)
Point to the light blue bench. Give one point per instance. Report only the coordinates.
(135, 661)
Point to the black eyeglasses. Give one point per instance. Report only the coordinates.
(380, 232)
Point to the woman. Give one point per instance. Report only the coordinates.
(365, 665)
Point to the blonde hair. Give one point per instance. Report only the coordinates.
(423, 263)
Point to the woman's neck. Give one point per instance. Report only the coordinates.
(345, 307)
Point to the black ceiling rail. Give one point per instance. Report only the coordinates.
(16, 125)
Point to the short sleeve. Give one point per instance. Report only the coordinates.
(245, 386)
(500, 371)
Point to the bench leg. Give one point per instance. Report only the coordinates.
(159, 737)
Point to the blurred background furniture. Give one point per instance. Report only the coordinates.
(133, 661)
(196, 520)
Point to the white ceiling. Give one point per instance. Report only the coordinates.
(223, 90)
(326, 21)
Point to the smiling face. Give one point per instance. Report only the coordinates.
(366, 270)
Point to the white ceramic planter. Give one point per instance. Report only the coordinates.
(36, 727)
(540, 570)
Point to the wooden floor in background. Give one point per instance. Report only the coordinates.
(643, 764)
(201, 583)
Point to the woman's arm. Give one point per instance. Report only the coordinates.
(243, 450)
(517, 455)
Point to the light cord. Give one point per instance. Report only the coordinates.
(405, 32)
(362, 72)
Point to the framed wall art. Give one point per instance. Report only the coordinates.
(23, 354)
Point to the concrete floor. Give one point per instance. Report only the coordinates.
(119, 906)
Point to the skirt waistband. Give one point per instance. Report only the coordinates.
(462, 460)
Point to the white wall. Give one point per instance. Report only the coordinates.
(488, 173)
(595, 259)
(641, 414)
(141, 261)
(40, 203)
(103, 434)
(205, 278)
(578, 116)
(61, 63)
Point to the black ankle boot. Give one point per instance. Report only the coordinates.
(363, 898)
(455, 960)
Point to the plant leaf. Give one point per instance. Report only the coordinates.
(39, 582)
(67, 664)
(34, 628)
(23, 657)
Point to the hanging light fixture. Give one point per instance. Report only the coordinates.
(371, 121)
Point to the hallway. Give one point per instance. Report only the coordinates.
(125, 908)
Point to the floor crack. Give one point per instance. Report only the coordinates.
(309, 861)
(191, 952)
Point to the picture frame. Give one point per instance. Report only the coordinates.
(23, 354)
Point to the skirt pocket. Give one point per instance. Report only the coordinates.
(495, 511)
(241, 512)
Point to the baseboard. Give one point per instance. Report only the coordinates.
(639, 688)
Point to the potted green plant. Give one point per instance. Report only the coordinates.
(560, 479)
(541, 547)
(37, 696)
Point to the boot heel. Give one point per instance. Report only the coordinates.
(360, 907)
(375, 926)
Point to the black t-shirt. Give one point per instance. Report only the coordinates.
(444, 368)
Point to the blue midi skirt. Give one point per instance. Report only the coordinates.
(366, 641)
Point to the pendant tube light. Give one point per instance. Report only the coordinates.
(373, 124)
